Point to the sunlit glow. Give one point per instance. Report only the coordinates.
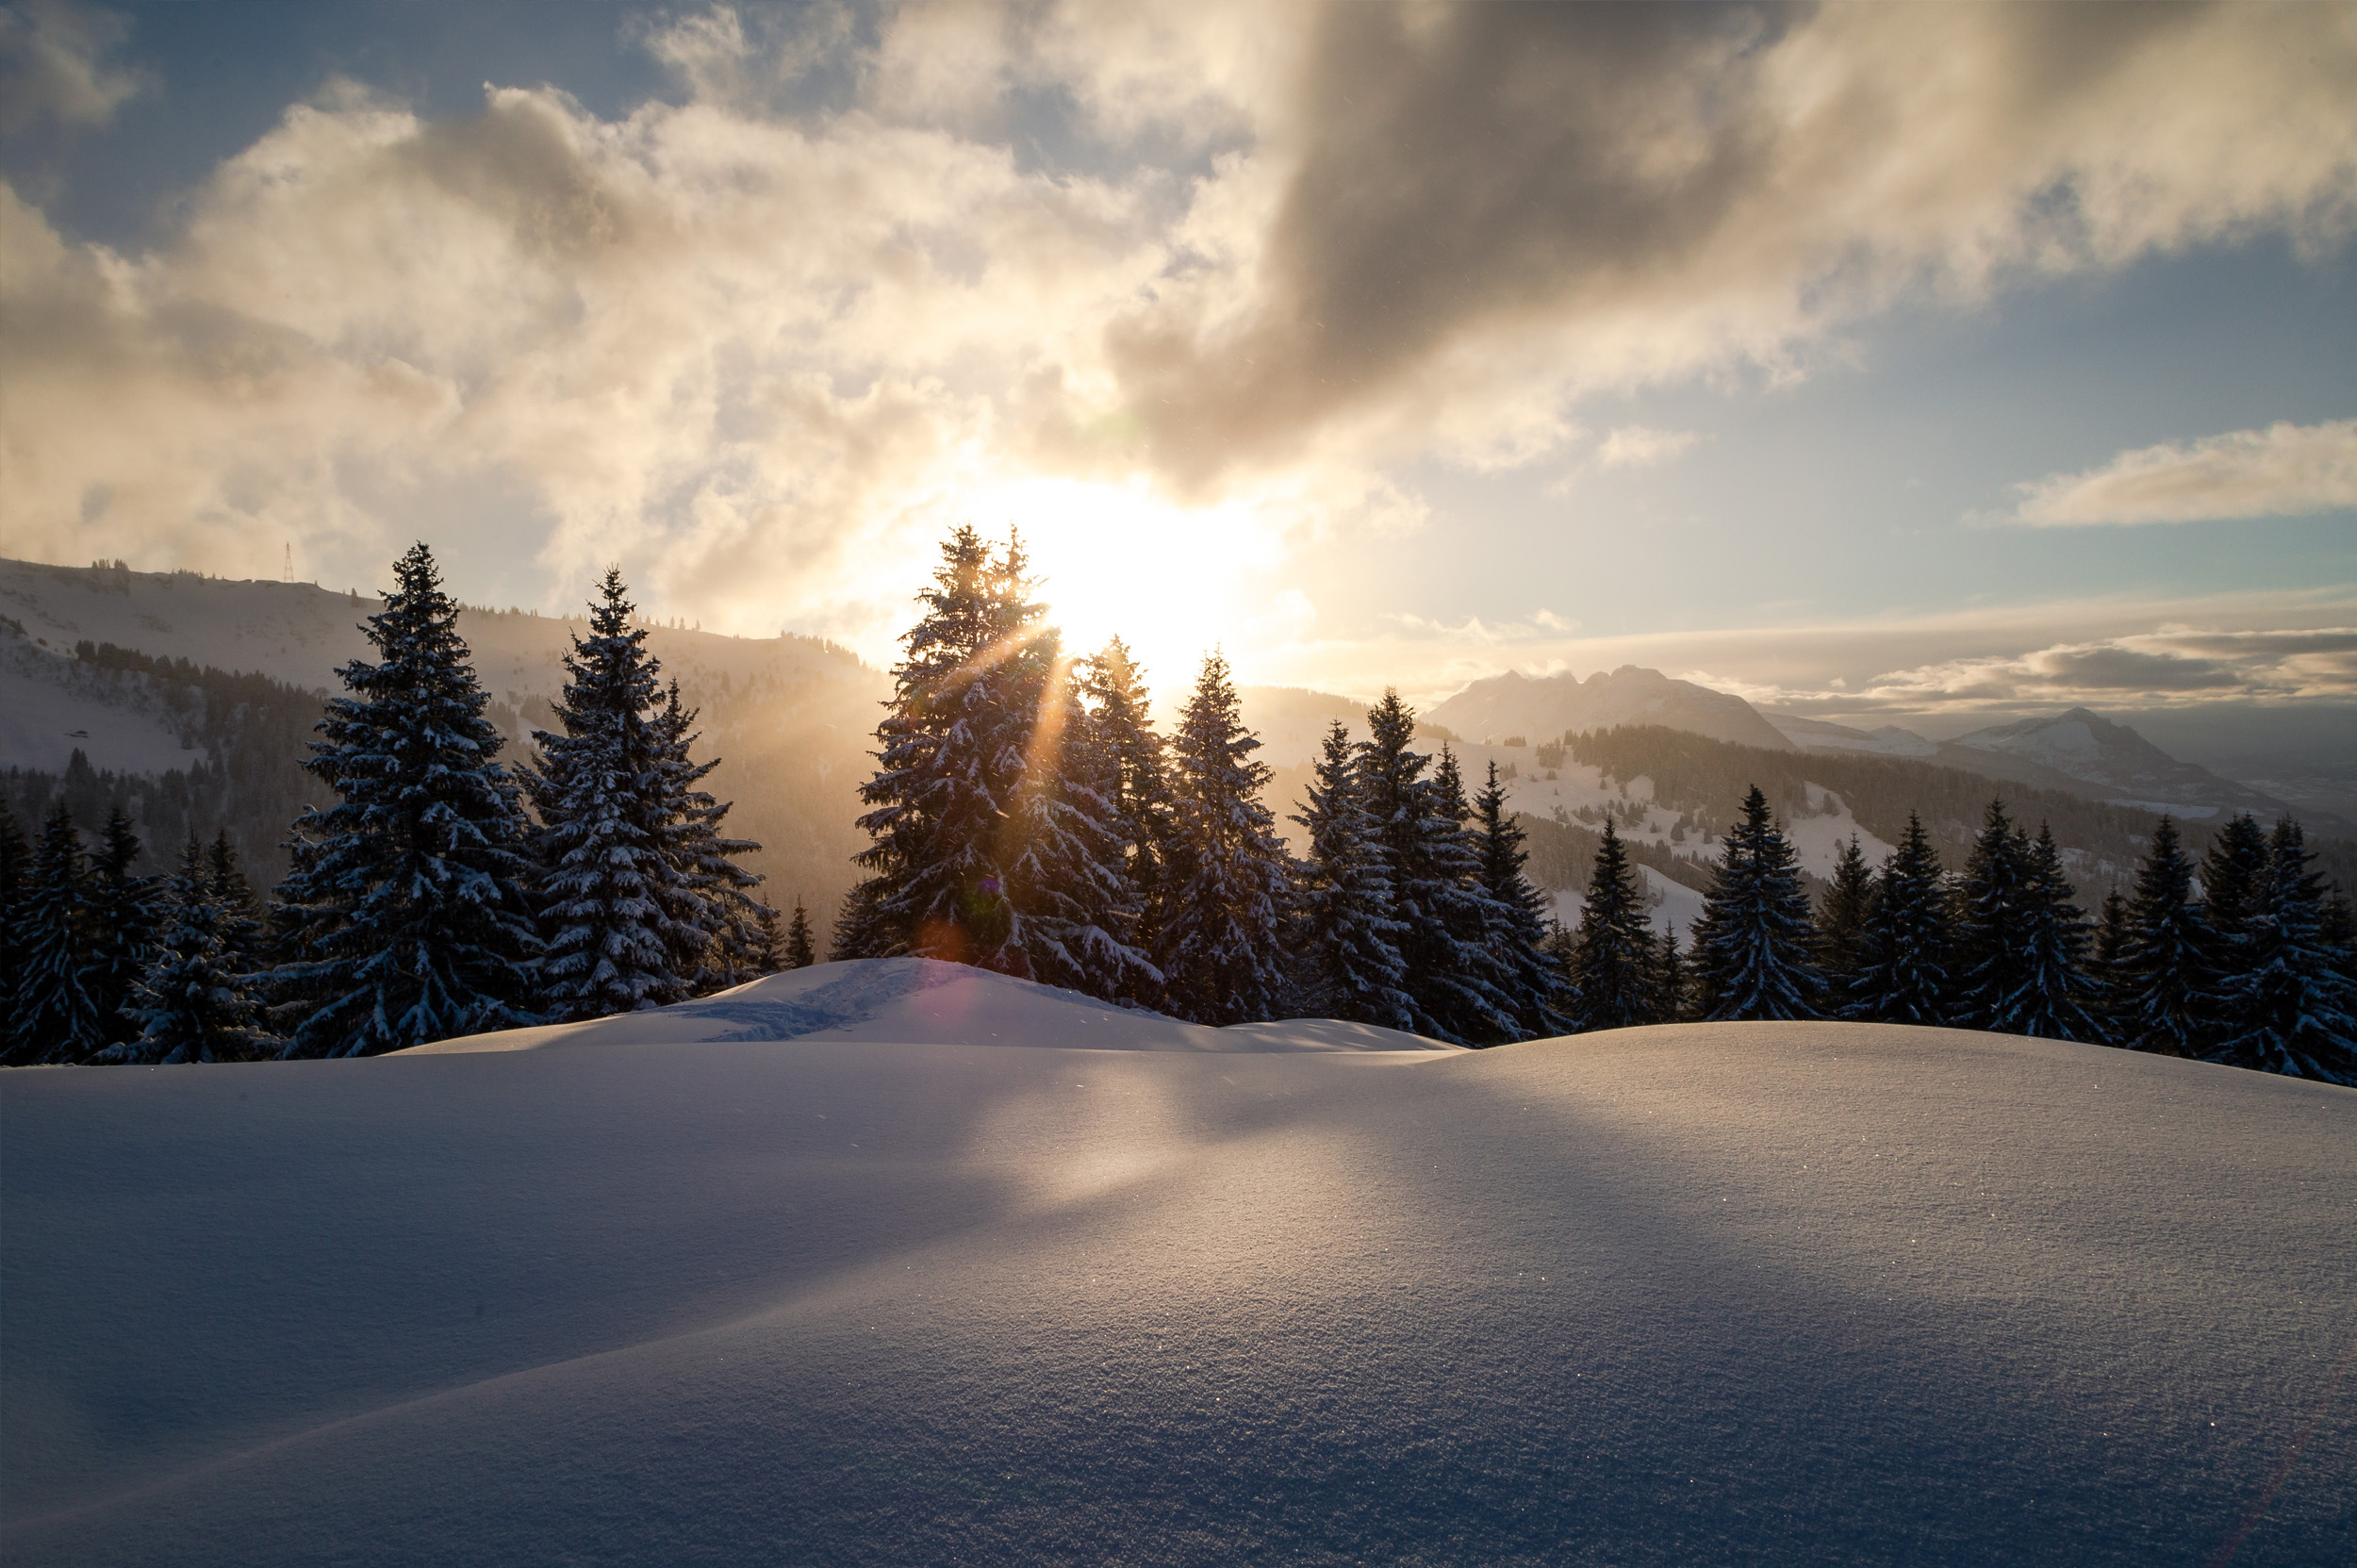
(1171, 582)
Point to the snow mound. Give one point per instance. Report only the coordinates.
(921, 1001)
(1803, 1294)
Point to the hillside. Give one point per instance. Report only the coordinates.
(1704, 780)
(1757, 1292)
(790, 717)
(1543, 707)
(2076, 752)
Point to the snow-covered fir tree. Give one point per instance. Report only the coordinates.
(2053, 1000)
(2336, 926)
(1434, 869)
(1114, 686)
(1066, 851)
(1471, 1001)
(950, 761)
(1754, 946)
(1530, 980)
(194, 1002)
(1672, 980)
(2237, 872)
(798, 954)
(622, 928)
(861, 927)
(243, 921)
(768, 939)
(125, 912)
(2165, 953)
(1901, 974)
(2292, 1010)
(2107, 967)
(1219, 951)
(1616, 966)
(56, 1019)
(709, 891)
(1842, 916)
(1348, 953)
(16, 874)
(409, 900)
(1994, 900)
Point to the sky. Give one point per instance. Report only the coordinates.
(1915, 364)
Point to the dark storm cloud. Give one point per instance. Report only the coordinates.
(2128, 669)
(1723, 176)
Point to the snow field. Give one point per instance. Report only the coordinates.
(1762, 1293)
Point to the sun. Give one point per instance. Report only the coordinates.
(1118, 561)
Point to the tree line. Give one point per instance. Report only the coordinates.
(442, 894)
(1026, 815)
(2240, 957)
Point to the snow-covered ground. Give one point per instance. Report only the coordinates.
(919, 1001)
(1788, 1293)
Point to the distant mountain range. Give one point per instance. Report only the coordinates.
(792, 716)
(2077, 751)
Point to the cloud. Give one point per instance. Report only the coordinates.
(764, 343)
(754, 360)
(1470, 205)
(2284, 470)
(2171, 667)
(52, 66)
(1635, 446)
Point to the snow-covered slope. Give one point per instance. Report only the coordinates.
(1769, 1294)
(919, 1000)
(1544, 708)
(301, 633)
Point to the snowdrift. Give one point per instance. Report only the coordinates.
(921, 1001)
(1785, 1294)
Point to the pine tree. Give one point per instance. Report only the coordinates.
(2166, 944)
(1754, 947)
(1902, 976)
(2237, 876)
(949, 765)
(1065, 853)
(1518, 921)
(1616, 967)
(622, 928)
(1349, 953)
(861, 929)
(243, 925)
(799, 954)
(16, 876)
(1436, 894)
(1220, 953)
(2108, 968)
(411, 897)
(706, 891)
(2052, 1002)
(56, 1019)
(2336, 926)
(1842, 918)
(1138, 784)
(2292, 1009)
(1993, 928)
(124, 919)
(768, 941)
(1672, 981)
(193, 1003)
(1475, 998)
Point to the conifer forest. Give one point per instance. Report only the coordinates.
(1026, 815)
